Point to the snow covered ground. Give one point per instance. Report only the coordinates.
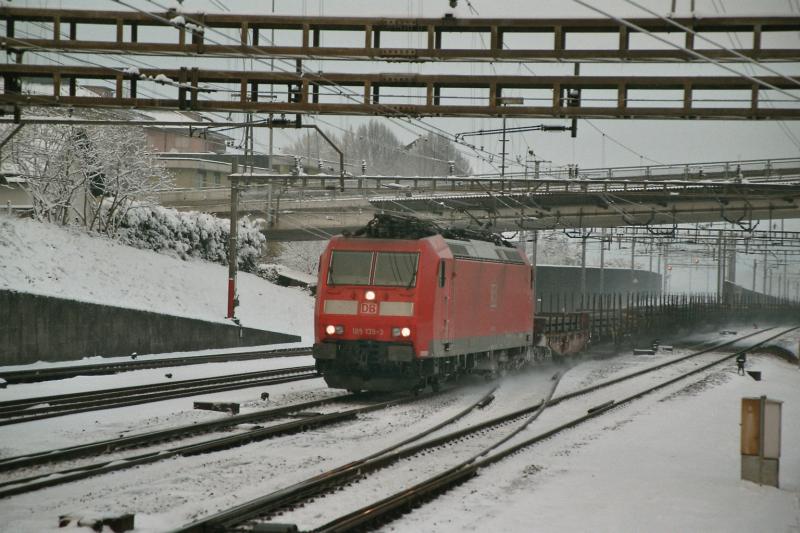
(48, 260)
(672, 465)
(667, 464)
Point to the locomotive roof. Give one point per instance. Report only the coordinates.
(388, 226)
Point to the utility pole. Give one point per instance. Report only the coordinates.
(503, 141)
(528, 155)
(535, 242)
(583, 269)
(603, 262)
(271, 166)
(232, 245)
(720, 267)
(785, 292)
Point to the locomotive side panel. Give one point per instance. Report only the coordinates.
(492, 306)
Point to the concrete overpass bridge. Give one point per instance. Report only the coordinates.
(316, 207)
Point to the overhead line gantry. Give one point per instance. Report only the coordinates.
(307, 92)
(252, 30)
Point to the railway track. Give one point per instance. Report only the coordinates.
(254, 514)
(63, 372)
(31, 483)
(29, 409)
(402, 501)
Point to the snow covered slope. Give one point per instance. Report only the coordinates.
(50, 260)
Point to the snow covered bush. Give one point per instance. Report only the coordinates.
(189, 234)
(86, 175)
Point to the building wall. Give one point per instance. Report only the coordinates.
(34, 328)
(281, 164)
(13, 194)
(193, 178)
(178, 140)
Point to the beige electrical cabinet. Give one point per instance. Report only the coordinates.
(761, 440)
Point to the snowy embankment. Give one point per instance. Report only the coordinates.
(67, 263)
(669, 464)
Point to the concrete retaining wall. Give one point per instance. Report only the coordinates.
(34, 328)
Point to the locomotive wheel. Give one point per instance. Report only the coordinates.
(435, 387)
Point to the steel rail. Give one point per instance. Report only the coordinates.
(322, 481)
(131, 441)
(349, 472)
(142, 394)
(37, 482)
(400, 502)
(62, 372)
(57, 400)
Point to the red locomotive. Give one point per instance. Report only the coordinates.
(402, 304)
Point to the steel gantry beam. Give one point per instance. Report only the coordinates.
(235, 90)
(555, 204)
(508, 39)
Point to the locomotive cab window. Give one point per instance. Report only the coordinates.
(350, 268)
(396, 269)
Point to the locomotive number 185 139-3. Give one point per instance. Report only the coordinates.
(368, 331)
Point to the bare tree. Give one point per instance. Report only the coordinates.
(555, 248)
(87, 175)
(384, 154)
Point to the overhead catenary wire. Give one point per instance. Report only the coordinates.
(689, 51)
(211, 88)
(781, 124)
(686, 29)
(342, 90)
(215, 87)
(621, 145)
(634, 152)
(603, 133)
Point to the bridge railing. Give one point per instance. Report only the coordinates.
(715, 170)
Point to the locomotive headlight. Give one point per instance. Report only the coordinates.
(395, 332)
(405, 332)
(339, 330)
(330, 329)
(369, 295)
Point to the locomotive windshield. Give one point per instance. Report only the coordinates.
(395, 269)
(392, 269)
(350, 268)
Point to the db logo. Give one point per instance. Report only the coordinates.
(369, 308)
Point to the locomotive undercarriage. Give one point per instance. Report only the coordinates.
(380, 366)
